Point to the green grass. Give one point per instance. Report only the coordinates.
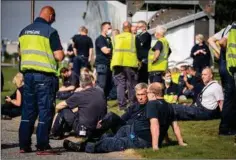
(201, 136)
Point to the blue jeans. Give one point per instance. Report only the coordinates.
(121, 141)
(104, 78)
(188, 113)
(39, 100)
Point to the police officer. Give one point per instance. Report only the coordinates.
(40, 50)
(158, 56)
(231, 67)
(226, 80)
(103, 48)
(143, 43)
(124, 63)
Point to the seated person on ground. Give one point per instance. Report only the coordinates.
(208, 103)
(114, 122)
(161, 115)
(70, 83)
(186, 83)
(171, 90)
(198, 81)
(175, 73)
(12, 107)
(135, 135)
(91, 107)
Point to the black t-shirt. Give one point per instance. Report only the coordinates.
(91, 104)
(72, 80)
(82, 43)
(172, 90)
(161, 110)
(133, 112)
(143, 44)
(102, 58)
(182, 85)
(70, 49)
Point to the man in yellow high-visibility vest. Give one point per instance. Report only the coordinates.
(158, 56)
(124, 64)
(40, 50)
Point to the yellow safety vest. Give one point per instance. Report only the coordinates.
(124, 51)
(162, 62)
(36, 54)
(170, 98)
(231, 50)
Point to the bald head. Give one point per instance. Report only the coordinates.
(127, 26)
(48, 13)
(156, 88)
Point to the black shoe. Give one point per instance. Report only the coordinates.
(46, 151)
(71, 146)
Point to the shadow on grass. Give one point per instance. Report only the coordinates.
(10, 145)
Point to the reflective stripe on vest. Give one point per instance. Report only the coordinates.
(162, 62)
(36, 54)
(231, 50)
(131, 50)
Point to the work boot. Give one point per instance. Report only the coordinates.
(26, 150)
(46, 151)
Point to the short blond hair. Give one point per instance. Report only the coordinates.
(156, 88)
(161, 29)
(18, 80)
(200, 36)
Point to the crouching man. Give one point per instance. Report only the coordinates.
(136, 135)
(90, 107)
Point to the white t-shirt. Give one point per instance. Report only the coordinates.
(212, 95)
(218, 35)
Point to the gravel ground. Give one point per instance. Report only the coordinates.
(10, 147)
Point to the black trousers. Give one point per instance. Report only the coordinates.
(11, 110)
(143, 73)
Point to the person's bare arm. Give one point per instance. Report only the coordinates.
(59, 55)
(106, 50)
(61, 106)
(212, 43)
(221, 104)
(69, 88)
(17, 101)
(90, 54)
(156, 56)
(155, 132)
(223, 42)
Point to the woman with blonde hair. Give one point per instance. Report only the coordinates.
(12, 107)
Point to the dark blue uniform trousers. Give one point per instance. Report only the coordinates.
(79, 62)
(228, 120)
(104, 78)
(125, 78)
(63, 122)
(155, 77)
(39, 98)
(123, 139)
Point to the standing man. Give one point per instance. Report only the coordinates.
(83, 49)
(227, 115)
(158, 56)
(40, 50)
(124, 63)
(103, 58)
(143, 44)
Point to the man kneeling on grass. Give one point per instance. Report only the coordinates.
(145, 132)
